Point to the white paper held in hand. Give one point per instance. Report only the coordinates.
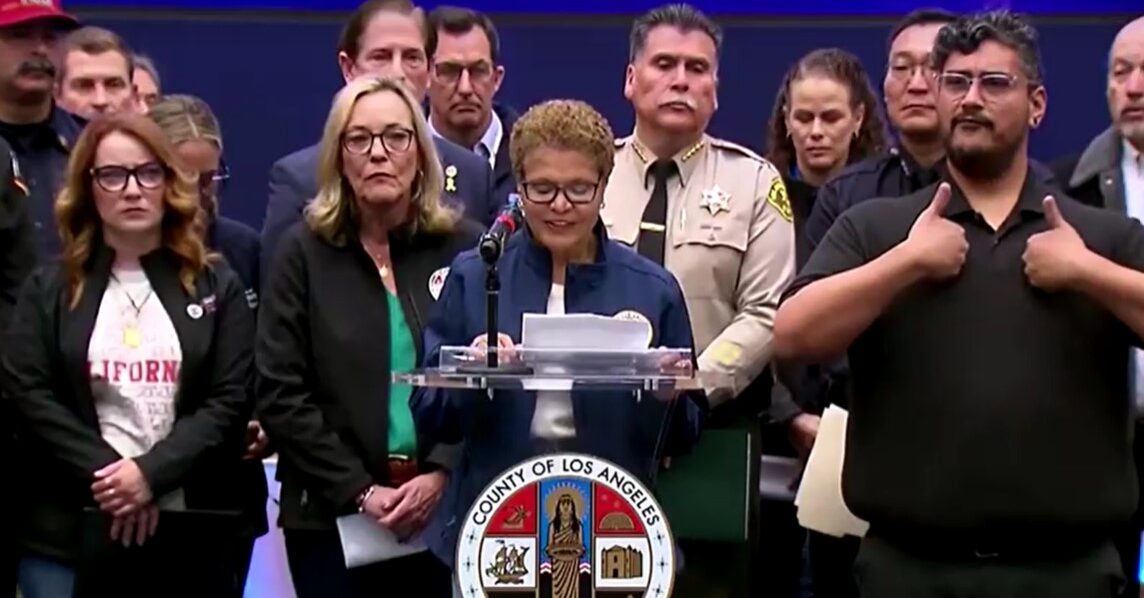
(583, 332)
(577, 332)
(365, 541)
(820, 504)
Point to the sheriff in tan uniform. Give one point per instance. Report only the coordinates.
(729, 239)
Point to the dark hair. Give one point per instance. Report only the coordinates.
(921, 16)
(682, 16)
(846, 69)
(350, 39)
(144, 63)
(95, 40)
(458, 21)
(966, 34)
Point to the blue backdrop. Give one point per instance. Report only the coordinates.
(720, 7)
(271, 78)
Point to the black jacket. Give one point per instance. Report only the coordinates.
(241, 247)
(49, 384)
(324, 363)
(17, 239)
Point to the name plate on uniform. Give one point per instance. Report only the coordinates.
(565, 525)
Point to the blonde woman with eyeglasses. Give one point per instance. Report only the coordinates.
(344, 304)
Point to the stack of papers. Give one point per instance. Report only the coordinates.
(819, 499)
(576, 332)
(584, 332)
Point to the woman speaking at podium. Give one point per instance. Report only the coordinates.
(561, 262)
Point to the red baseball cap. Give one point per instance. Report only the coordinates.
(16, 12)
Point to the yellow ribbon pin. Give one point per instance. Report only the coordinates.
(451, 179)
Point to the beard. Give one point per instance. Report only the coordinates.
(982, 163)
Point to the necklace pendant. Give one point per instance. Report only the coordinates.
(132, 337)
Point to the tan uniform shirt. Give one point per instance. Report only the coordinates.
(729, 242)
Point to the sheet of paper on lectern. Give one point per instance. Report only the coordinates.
(819, 499)
(584, 331)
(577, 332)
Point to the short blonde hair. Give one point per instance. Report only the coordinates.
(564, 124)
(335, 207)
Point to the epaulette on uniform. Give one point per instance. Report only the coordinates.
(730, 146)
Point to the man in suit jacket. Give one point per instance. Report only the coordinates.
(1110, 173)
(466, 76)
(381, 38)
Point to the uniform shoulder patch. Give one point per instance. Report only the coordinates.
(779, 200)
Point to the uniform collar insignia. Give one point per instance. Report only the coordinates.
(685, 160)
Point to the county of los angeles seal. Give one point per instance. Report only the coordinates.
(565, 526)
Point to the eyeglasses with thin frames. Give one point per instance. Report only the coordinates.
(544, 192)
(450, 72)
(394, 140)
(114, 178)
(993, 86)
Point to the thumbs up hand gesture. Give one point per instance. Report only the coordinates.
(938, 245)
(1053, 258)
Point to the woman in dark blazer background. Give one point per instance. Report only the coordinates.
(131, 379)
(343, 307)
(825, 118)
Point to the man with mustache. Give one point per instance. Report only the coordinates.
(39, 132)
(1110, 172)
(386, 38)
(35, 137)
(988, 320)
(718, 217)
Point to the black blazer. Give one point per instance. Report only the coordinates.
(48, 381)
(323, 363)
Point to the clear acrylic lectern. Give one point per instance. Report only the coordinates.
(560, 369)
(573, 516)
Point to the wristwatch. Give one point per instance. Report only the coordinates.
(364, 496)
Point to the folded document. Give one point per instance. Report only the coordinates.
(819, 499)
(365, 541)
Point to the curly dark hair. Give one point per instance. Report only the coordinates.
(967, 33)
(565, 124)
(845, 68)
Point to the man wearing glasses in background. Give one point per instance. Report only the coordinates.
(466, 75)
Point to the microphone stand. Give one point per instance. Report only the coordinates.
(492, 298)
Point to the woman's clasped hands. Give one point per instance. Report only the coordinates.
(121, 490)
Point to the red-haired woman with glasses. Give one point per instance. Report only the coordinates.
(132, 375)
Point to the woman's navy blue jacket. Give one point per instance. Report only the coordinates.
(613, 425)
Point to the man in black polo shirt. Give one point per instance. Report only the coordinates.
(988, 327)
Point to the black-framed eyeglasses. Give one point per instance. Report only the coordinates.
(580, 192)
(215, 178)
(393, 139)
(993, 85)
(114, 179)
(450, 72)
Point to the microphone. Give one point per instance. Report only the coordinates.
(493, 241)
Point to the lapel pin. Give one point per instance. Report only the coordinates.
(451, 178)
(195, 311)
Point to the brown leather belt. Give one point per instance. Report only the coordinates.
(401, 470)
